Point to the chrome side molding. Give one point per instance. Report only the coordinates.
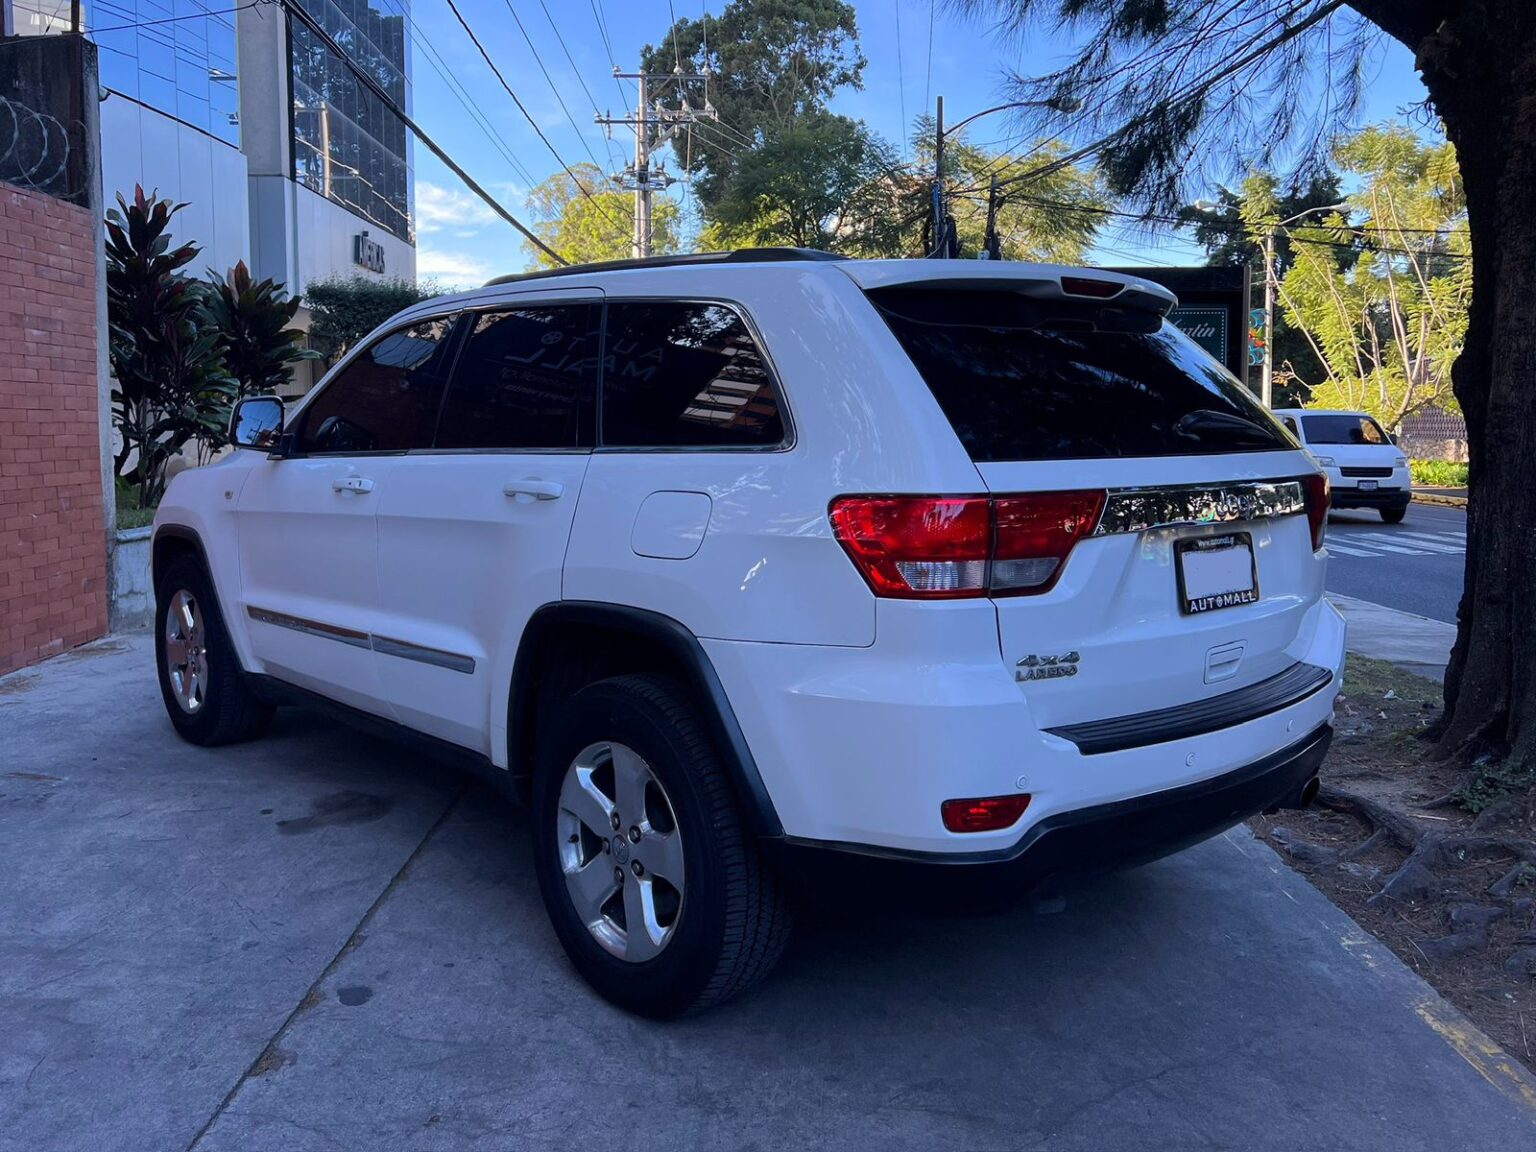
(383, 645)
(1137, 509)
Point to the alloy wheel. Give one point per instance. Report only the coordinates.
(620, 851)
(186, 657)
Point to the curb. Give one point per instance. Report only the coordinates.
(1444, 501)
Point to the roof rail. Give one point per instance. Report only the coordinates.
(737, 256)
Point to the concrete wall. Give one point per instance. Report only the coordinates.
(142, 146)
(53, 555)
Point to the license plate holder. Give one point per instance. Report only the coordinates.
(1216, 572)
(1368, 485)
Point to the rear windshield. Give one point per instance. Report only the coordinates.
(1352, 429)
(1023, 379)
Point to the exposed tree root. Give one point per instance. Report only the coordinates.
(1499, 831)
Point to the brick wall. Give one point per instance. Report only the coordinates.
(53, 560)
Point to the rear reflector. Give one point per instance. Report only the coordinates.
(949, 547)
(985, 814)
(1316, 491)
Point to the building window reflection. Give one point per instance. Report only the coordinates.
(184, 65)
(347, 145)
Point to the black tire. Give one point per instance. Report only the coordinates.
(227, 712)
(732, 923)
(1393, 515)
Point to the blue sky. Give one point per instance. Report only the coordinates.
(461, 242)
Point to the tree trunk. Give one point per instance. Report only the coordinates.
(1480, 68)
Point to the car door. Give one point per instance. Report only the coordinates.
(306, 517)
(473, 533)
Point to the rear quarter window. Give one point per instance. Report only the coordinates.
(1025, 379)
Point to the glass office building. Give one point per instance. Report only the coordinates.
(347, 145)
(175, 56)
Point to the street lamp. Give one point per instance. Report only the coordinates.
(1267, 379)
(944, 241)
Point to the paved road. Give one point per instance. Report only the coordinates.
(316, 942)
(1416, 566)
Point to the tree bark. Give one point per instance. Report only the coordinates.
(1479, 64)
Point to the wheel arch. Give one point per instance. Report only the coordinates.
(571, 642)
(172, 541)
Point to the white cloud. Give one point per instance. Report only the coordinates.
(453, 270)
(442, 209)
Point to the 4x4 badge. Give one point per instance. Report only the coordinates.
(1034, 667)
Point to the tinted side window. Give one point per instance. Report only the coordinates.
(527, 379)
(386, 399)
(679, 374)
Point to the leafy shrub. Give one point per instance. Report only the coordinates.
(1439, 473)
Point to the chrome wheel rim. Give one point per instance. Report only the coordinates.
(620, 851)
(186, 657)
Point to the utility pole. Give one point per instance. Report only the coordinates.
(1267, 379)
(666, 123)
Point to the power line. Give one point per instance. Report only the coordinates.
(928, 79)
(435, 58)
(315, 29)
(486, 56)
(553, 87)
(571, 60)
(901, 82)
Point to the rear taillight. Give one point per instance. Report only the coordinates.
(1315, 489)
(948, 547)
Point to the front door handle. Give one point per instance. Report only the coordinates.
(352, 484)
(538, 489)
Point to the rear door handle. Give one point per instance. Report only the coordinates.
(352, 484)
(538, 489)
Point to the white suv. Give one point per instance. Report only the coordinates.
(1366, 469)
(762, 567)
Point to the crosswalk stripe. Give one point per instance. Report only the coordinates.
(1434, 538)
(1422, 546)
(1406, 540)
(1380, 546)
(1360, 553)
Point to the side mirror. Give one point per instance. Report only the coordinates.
(257, 423)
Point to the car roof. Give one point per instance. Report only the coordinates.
(1044, 280)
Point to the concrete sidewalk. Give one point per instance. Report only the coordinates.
(1415, 644)
(315, 941)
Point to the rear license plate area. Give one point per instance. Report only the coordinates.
(1216, 572)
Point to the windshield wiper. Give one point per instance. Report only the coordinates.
(1207, 423)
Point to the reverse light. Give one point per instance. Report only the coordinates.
(1317, 493)
(952, 547)
(983, 814)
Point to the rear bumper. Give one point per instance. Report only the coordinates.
(1069, 845)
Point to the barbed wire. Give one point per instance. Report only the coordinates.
(42, 153)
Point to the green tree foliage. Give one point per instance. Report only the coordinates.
(344, 309)
(816, 181)
(1046, 209)
(1229, 242)
(597, 225)
(253, 317)
(774, 62)
(1389, 327)
(170, 380)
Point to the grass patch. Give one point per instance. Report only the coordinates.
(129, 514)
(1438, 473)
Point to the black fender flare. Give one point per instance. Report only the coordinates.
(685, 651)
(176, 532)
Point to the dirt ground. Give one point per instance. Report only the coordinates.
(1467, 925)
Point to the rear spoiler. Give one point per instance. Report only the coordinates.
(1040, 281)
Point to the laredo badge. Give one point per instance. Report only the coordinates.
(1034, 667)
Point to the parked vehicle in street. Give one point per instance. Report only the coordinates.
(1366, 469)
(761, 567)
